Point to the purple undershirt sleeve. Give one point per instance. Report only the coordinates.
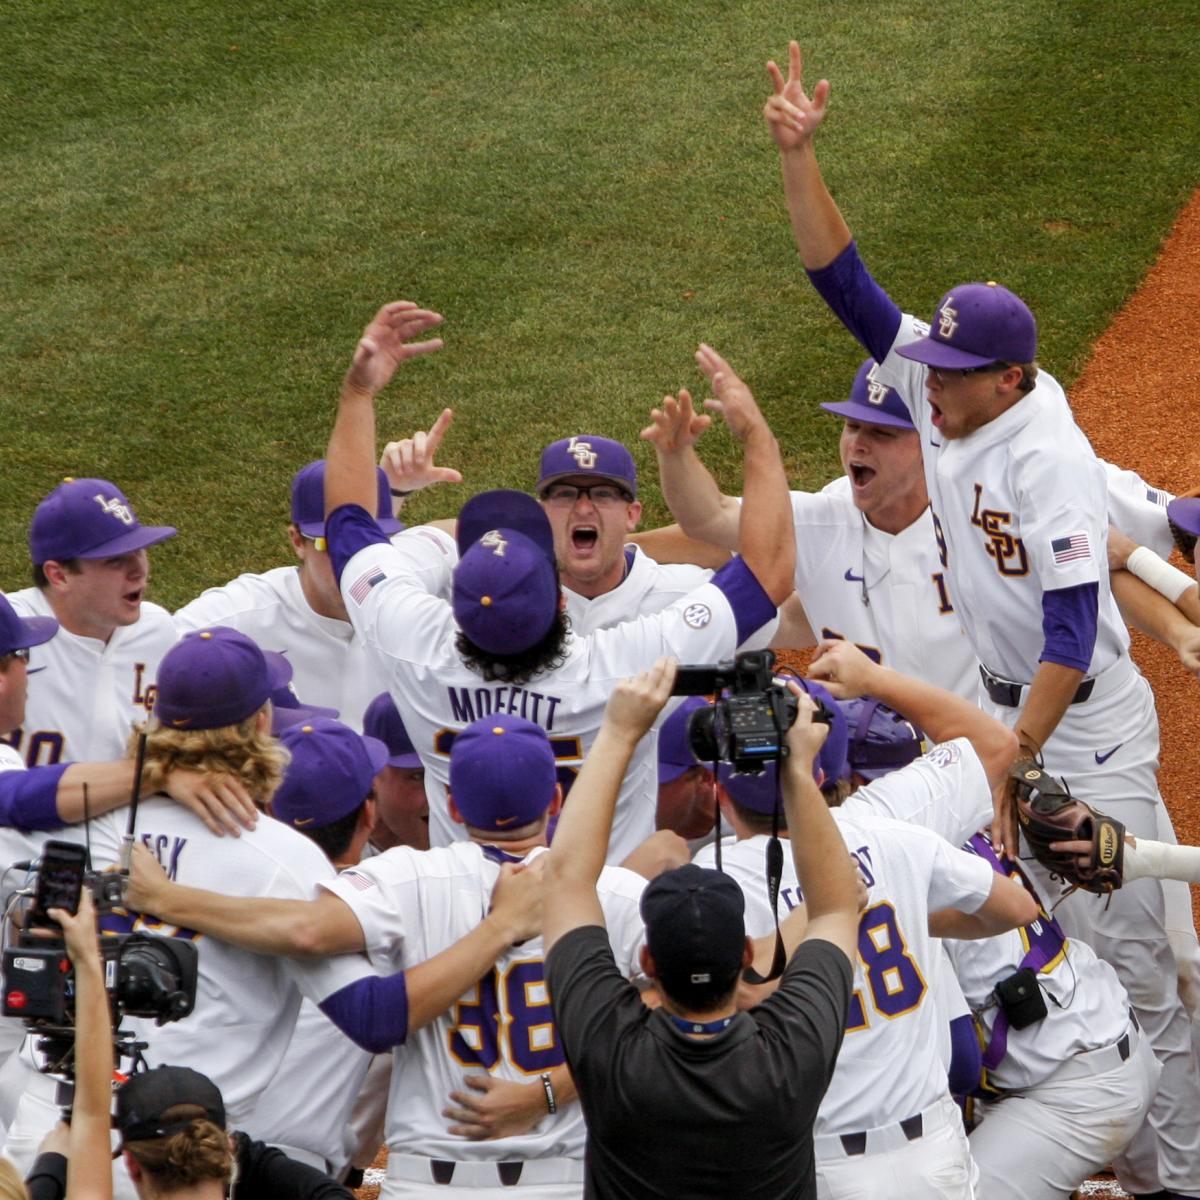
(349, 529)
(29, 799)
(372, 1012)
(1069, 625)
(752, 607)
(966, 1061)
(858, 302)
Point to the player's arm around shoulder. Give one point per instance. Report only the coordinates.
(1008, 904)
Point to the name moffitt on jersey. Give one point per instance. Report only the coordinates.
(437, 695)
(889, 1066)
(412, 905)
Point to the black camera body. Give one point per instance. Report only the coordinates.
(747, 723)
(145, 975)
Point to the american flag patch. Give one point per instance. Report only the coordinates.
(1162, 499)
(1068, 549)
(364, 883)
(360, 589)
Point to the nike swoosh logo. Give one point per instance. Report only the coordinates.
(934, 444)
(1103, 758)
(502, 821)
(33, 670)
(300, 822)
(850, 576)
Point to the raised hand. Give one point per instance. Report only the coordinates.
(676, 425)
(637, 701)
(792, 116)
(385, 344)
(806, 736)
(408, 463)
(734, 401)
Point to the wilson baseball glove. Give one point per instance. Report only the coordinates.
(1049, 813)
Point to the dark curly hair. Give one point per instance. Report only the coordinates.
(544, 655)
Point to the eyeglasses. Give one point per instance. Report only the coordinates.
(599, 494)
(22, 655)
(946, 375)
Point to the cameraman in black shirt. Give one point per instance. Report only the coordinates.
(694, 1098)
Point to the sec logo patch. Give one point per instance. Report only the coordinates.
(697, 615)
(944, 755)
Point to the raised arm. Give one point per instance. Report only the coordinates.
(793, 117)
(384, 345)
(766, 536)
(823, 868)
(847, 672)
(409, 466)
(580, 845)
(687, 485)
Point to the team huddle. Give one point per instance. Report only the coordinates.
(356, 764)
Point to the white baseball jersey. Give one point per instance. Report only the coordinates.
(887, 592)
(889, 1067)
(413, 634)
(85, 695)
(1020, 508)
(330, 664)
(414, 904)
(246, 1003)
(1138, 510)
(1086, 1006)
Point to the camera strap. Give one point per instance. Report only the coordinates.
(138, 768)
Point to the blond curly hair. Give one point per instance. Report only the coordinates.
(245, 750)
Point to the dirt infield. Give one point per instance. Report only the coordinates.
(1132, 400)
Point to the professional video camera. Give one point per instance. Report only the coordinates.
(746, 724)
(145, 975)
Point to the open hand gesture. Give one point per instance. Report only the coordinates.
(734, 400)
(637, 701)
(676, 425)
(791, 116)
(385, 344)
(408, 464)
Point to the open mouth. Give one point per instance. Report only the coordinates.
(860, 475)
(584, 537)
(937, 415)
(134, 597)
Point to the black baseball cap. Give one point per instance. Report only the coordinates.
(142, 1101)
(695, 930)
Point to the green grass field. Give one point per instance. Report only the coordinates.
(203, 202)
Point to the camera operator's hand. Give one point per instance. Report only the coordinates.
(637, 701)
(806, 736)
(80, 932)
(148, 882)
(844, 669)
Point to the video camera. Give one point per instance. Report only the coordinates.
(747, 723)
(145, 975)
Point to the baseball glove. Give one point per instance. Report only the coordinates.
(1049, 813)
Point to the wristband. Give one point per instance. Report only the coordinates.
(399, 494)
(1157, 573)
(1145, 859)
(548, 1087)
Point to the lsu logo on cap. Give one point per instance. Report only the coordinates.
(947, 320)
(115, 508)
(497, 543)
(876, 391)
(582, 453)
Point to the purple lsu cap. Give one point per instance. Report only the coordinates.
(145, 1097)
(330, 774)
(20, 633)
(502, 772)
(974, 325)
(674, 751)
(881, 740)
(216, 677)
(872, 402)
(1184, 513)
(695, 929)
(505, 593)
(382, 721)
(587, 455)
(89, 518)
(308, 501)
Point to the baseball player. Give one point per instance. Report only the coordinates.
(298, 610)
(1020, 504)
(687, 796)
(401, 805)
(886, 1122)
(95, 680)
(501, 645)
